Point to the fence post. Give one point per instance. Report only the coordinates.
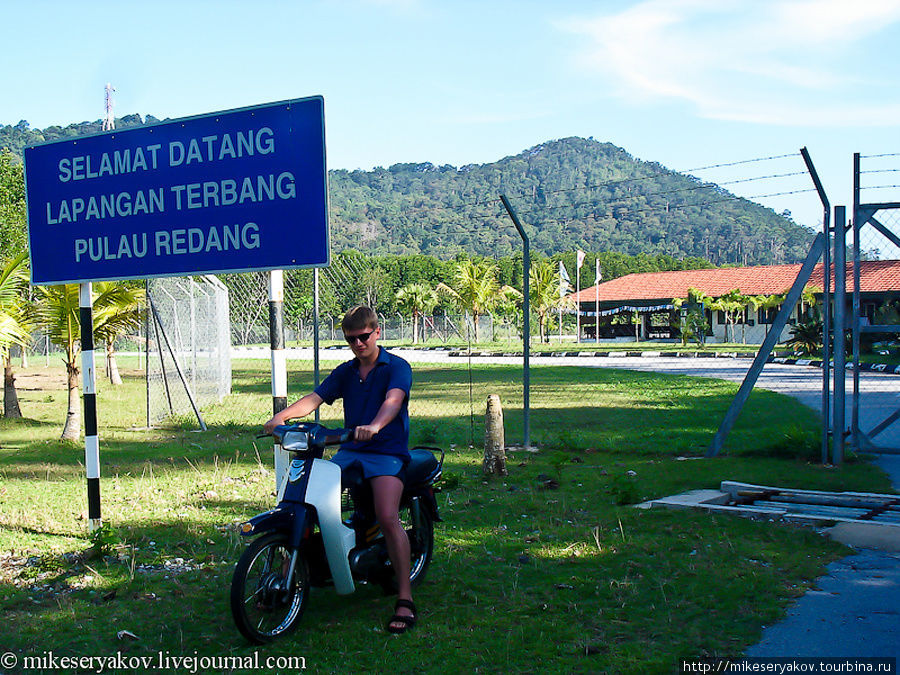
(526, 337)
(855, 318)
(737, 404)
(279, 366)
(840, 326)
(89, 383)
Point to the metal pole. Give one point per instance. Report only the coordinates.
(279, 366)
(597, 300)
(316, 332)
(526, 338)
(762, 356)
(147, 320)
(840, 326)
(826, 304)
(854, 407)
(187, 389)
(577, 302)
(89, 383)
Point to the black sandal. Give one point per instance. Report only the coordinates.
(407, 621)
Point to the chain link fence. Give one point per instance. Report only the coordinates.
(874, 296)
(188, 346)
(578, 370)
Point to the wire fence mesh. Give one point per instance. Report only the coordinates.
(188, 346)
(459, 360)
(875, 346)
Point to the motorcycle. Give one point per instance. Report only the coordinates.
(323, 532)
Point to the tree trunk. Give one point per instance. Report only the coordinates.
(10, 397)
(415, 319)
(112, 365)
(494, 439)
(72, 429)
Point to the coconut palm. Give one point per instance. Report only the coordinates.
(693, 322)
(14, 325)
(544, 291)
(416, 300)
(730, 304)
(118, 310)
(57, 311)
(476, 288)
(766, 302)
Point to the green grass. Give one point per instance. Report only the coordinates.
(524, 578)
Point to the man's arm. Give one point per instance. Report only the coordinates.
(300, 408)
(393, 401)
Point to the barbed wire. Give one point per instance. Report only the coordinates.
(622, 181)
(692, 188)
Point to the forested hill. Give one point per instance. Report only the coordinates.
(571, 193)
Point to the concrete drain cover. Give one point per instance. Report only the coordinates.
(854, 518)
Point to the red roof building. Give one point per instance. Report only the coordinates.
(651, 294)
(876, 276)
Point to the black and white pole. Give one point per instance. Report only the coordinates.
(88, 374)
(279, 366)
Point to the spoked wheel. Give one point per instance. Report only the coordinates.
(263, 605)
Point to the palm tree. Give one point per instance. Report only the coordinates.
(14, 325)
(544, 289)
(416, 300)
(118, 310)
(766, 302)
(58, 313)
(730, 304)
(693, 321)
(477, 290)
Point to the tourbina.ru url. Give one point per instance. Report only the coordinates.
(194, 663)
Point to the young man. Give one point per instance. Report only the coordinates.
(375, 389)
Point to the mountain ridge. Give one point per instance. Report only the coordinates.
(571, 193)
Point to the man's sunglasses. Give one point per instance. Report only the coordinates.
(362, 337)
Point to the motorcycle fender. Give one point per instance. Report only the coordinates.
(292, 521)
(324, 494)
(429, 501)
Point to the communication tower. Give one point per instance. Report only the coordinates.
(109, 122)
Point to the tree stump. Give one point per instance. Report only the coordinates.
(494, 439)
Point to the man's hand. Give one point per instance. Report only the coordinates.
(365, 432)
(269, 426)
(300, 408)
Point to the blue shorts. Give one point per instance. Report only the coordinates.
(372, 464)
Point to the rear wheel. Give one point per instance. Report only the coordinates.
(419, 528)
(263, 604)
(419, 525)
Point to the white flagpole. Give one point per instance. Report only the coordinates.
(597, 303)
(577, 304)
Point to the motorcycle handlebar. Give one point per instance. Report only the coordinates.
(318, 434)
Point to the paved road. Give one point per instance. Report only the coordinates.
(853, 611)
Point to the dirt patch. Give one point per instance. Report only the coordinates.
(40, 380)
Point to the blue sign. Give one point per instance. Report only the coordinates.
(232, 191)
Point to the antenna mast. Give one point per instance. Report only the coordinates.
(109, 122)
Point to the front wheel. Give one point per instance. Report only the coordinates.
(263, 603)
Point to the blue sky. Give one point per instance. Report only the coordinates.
(687, 83)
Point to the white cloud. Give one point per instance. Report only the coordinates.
(766, 61)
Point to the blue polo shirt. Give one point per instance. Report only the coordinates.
(362, 400)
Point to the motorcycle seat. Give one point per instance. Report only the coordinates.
(423, 466)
